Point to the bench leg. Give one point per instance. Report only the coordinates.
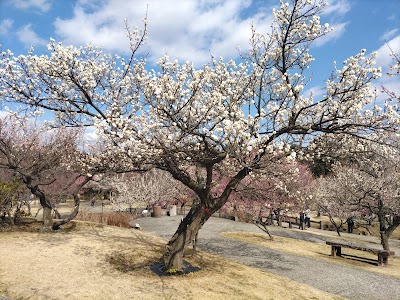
(383, 259)
(336, 251)
(380, 259)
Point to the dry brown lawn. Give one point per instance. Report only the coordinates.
(355, 258)
(103, 262)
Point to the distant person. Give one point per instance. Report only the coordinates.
(301, 220)
(350, 224)
(308, 217)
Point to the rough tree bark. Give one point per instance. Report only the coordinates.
(46, 205)
(184, 236)
(386, 226)
(386, 231)
(197, 216)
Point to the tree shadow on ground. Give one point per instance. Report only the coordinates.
(159, 269)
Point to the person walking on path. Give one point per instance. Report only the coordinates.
(350, 224)
(301, 220)
(308, 217)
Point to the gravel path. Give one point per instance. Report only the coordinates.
(345, 281)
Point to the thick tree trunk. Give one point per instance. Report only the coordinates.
(46, 205)
(184, 236)
(385, 240)
(387, 232)
(198, 214)
(47, 219)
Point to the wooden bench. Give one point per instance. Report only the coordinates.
(383, 255)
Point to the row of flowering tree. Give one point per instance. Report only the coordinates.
(365, 183)
(48, 163)
(231, 118)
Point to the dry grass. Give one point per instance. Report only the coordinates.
(103, 262)
(119, 219)
(359, 259)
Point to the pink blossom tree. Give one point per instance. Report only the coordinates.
(35, 157)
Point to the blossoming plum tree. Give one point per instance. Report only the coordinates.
(227, 115)
(145, 189)
(365, 181)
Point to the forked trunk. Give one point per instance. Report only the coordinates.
(70, 217)
(184, 236)
(197, 216)
(387, 232)
(77, 201)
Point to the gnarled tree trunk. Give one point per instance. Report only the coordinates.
(386, 231)
(46, 205)
(184, 236)
(198, 214)
(77, 201)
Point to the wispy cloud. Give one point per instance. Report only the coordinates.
(5, 26)
(389, 34)
(42, 5)
(29, 37)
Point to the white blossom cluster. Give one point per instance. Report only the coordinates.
(226, 111)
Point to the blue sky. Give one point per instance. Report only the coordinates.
(192, 29)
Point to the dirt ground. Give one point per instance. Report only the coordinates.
(103, 262)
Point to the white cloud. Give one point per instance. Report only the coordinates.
(316, 91)
(4, 113)
(384, 60)
(5, 26)
(42, 5)
(389, 34)
(338, 7)
(335, 12)
(27, 36)
(90, 136)
(339, 30)
(383, 53)
(188, 31)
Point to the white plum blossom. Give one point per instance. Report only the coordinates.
(230, 117)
